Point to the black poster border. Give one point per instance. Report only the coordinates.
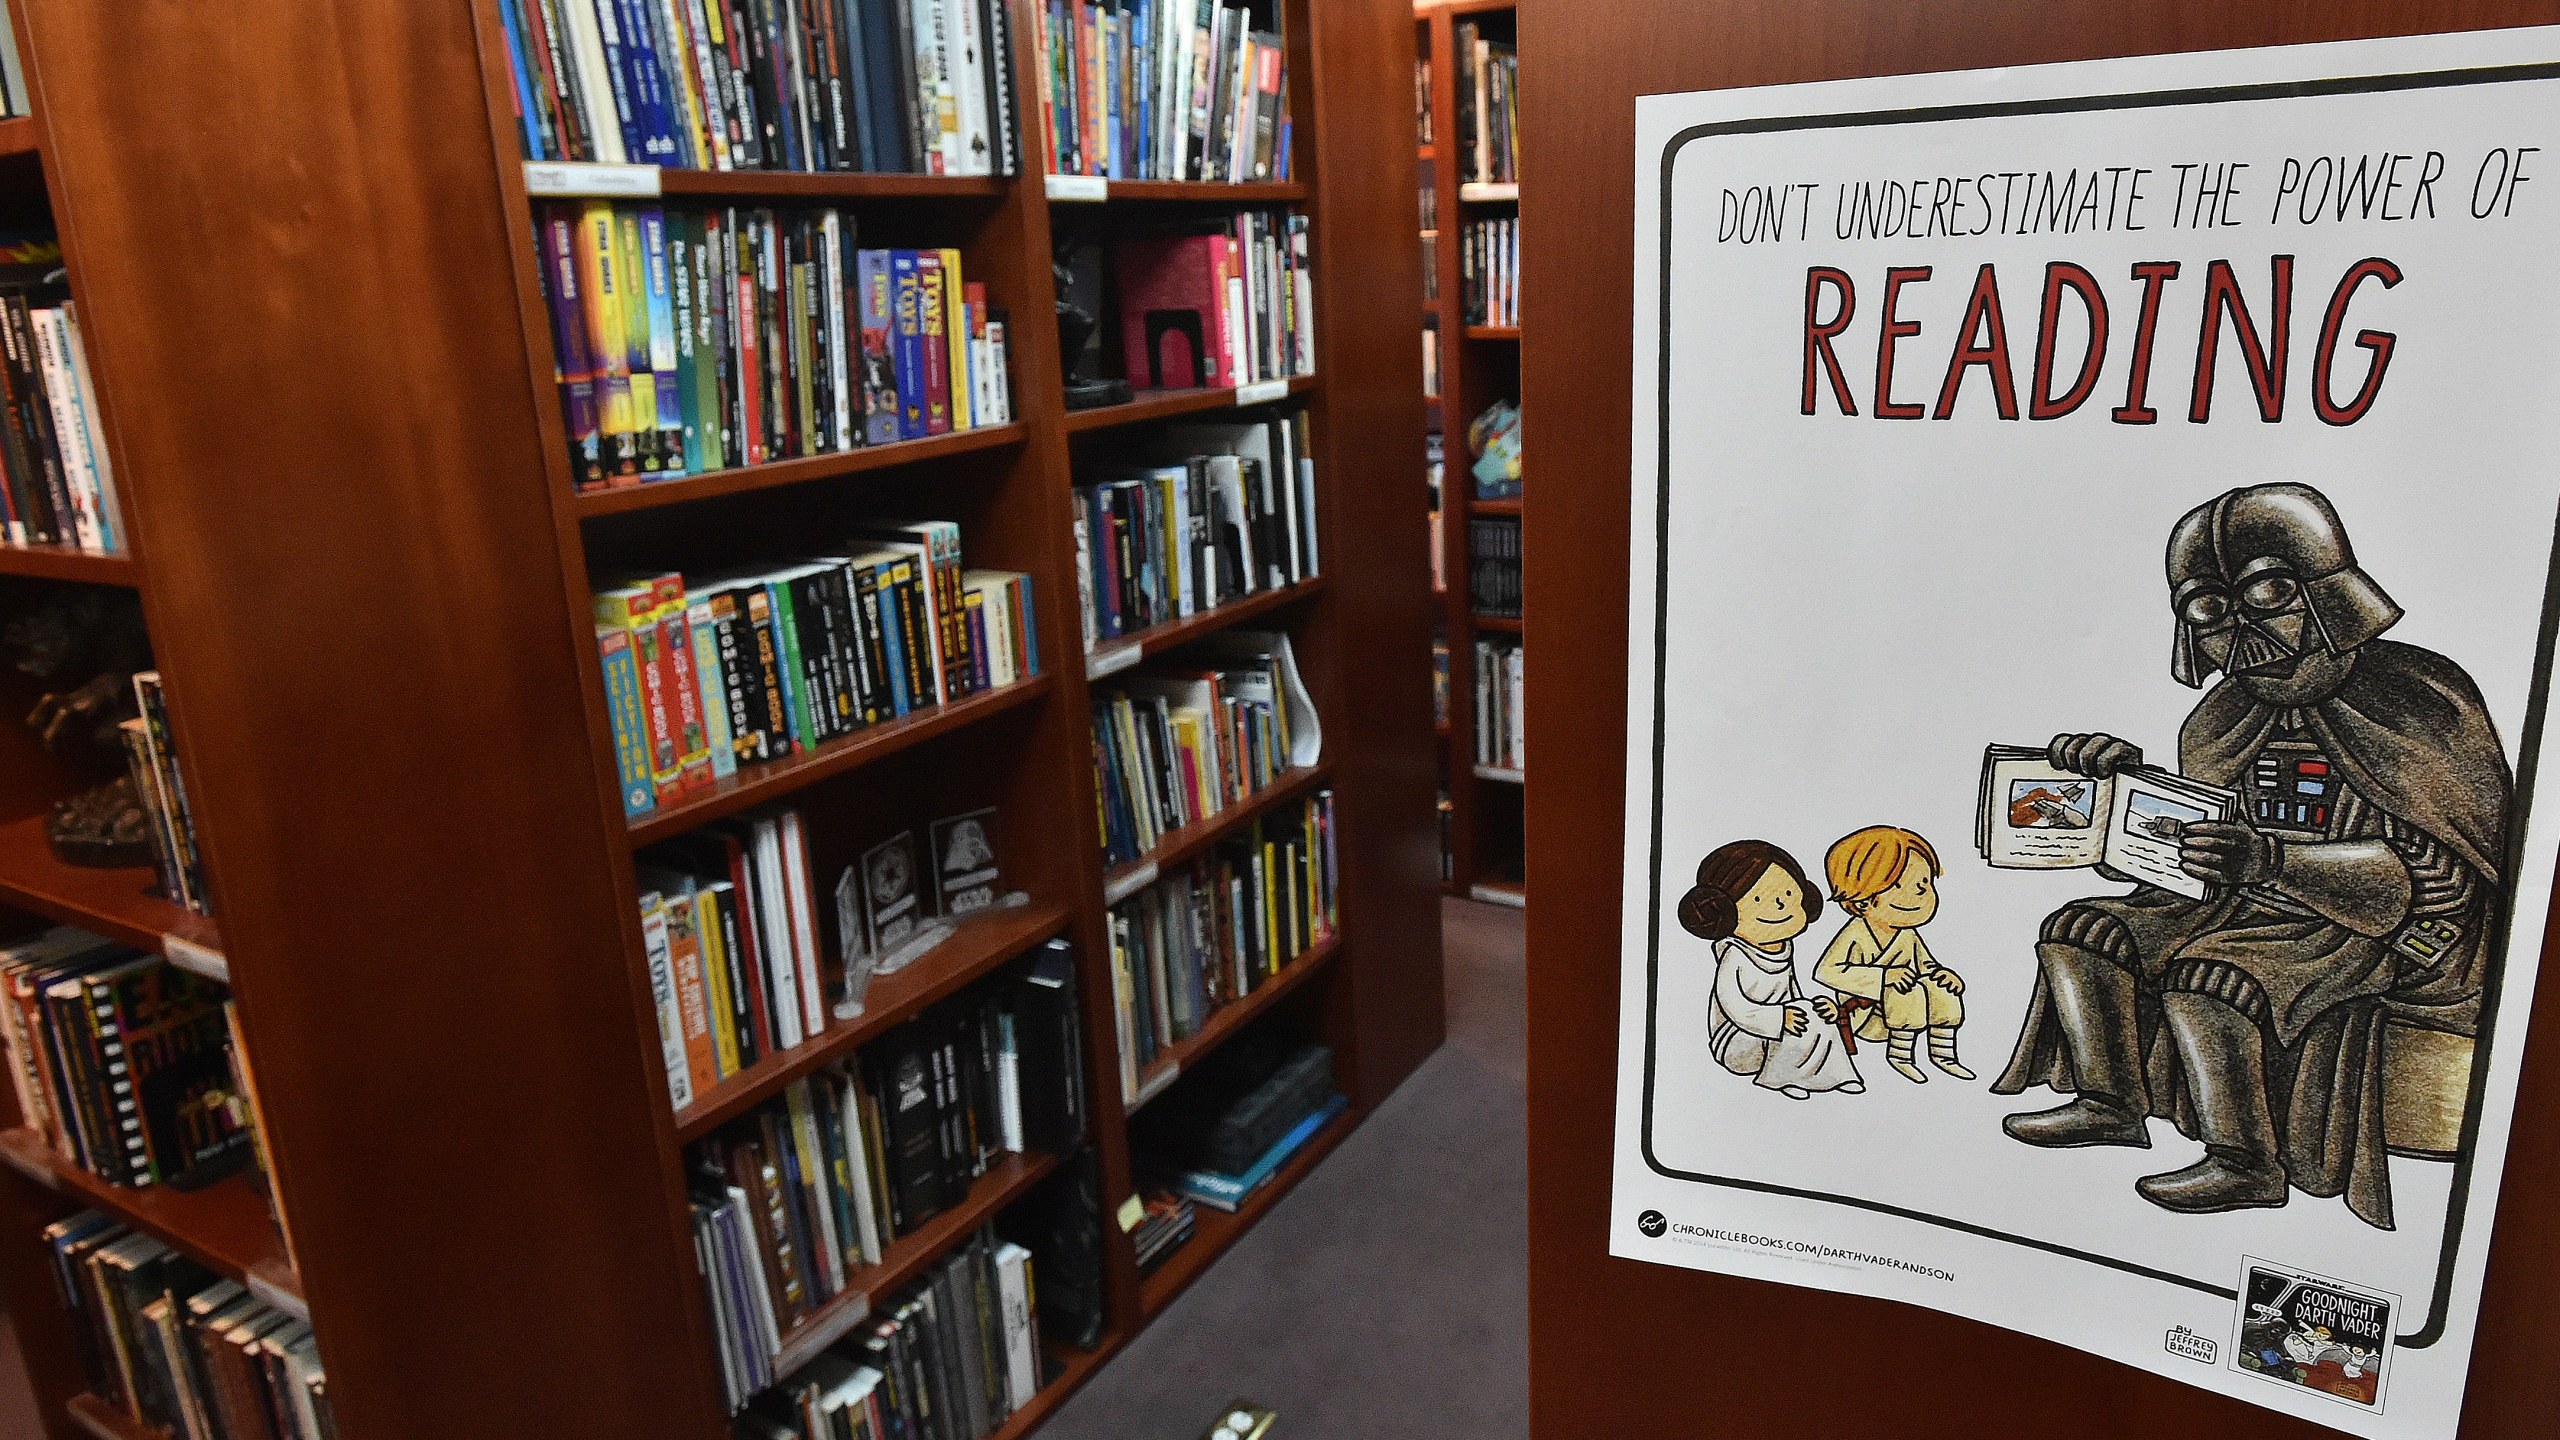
(2528, 750)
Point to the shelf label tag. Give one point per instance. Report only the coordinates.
(203, 960)
(1262, 392)
(1132, 1210)
(1113, 892)
(1085, 188)
(1099, 663)
(563, 177)
(275, 1297)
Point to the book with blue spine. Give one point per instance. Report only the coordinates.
(907, 319)
(667, 379)
(630, 727)
(1229, 1192)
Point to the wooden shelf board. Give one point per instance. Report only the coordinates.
(1164, 404)
(753, 785)
(18, 135)
(1227, 1019)
(1509, 505)
(905, 1258)
(1113, 656)
(1426, 152)
(1504, 624)
(1500, 892)
(63, 562)
(225, 1226)
(1074, 1368)
(108, 1421)
(1215, 192)
(1493, 332)
(114, 903)
(979, 944)
(774, 475)
(1180, 845)
(1214, 1230)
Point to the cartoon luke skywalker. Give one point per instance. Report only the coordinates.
(2354, 892)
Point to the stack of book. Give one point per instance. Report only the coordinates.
(1174, 747)
(1493, 581)
(697, 339)
(151, 759)
(1212, 933)
(1229, 512)
(1489, 259)
(1170, 1219)
(952, 1357)
(1488, 106)
(729, 915)
(60, 487)
(1226, 304)
(122, 1061)
(914, 86)
(702, 676)
(1501, 718)
(1164, 89)
(793, 1201)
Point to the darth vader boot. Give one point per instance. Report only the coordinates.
(2092, 1000)
(2225, 1060)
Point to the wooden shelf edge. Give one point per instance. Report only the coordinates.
(803, 470)
(645, 181)
(1190, 840)
(65, 562)
(1227, 1019)
(1215, 1230)
(906, 1258)
(1499, 624)
(104, 1420)
(757, 784)
(178, 1219)
(1076, 1368)
(976, 948)
(114, 903)
(1165, 404)
(1506, 505)
(1493, 332)
(1116, 655)
(18, 135)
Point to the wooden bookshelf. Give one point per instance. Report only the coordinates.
(1479, 364)
(367, 577)
(1193, 840)
(1112, 656)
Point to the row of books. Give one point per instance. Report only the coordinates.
(1489, 259)
(1501, 715)
(151, 760)
(1228, 303)
(1174, 746)
(1493, 580)
(911, 86)
(1213, 933)
(1488, 82)
(1232, 517)
(729, 917)
(60, 488)
(1422, 99)
(1168, 1220)
(1164, 89)
(760, 663)
(122, 1061)
(952, 1358)
(800, 1197)
(1435, 471)
(693, 339)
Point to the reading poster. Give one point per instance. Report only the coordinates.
(2090, 634)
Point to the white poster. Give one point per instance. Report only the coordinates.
(2092, 604)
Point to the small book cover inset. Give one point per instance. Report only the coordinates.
(2032, 814)
(2297, 1328)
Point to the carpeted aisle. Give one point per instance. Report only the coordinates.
(1387, 1297)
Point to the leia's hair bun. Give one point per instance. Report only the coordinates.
(1725, 876)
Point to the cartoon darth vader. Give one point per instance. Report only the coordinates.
(2353, 894)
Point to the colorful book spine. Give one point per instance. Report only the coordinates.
(630, 722)
(907, 312)
(931, 309)
(955, 329)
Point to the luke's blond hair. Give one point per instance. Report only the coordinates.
(1864, 864)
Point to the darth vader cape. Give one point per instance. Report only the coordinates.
(2408, 731)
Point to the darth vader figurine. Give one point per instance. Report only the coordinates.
(2355, 890)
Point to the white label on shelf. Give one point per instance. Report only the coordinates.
(1098, 663)
(203, 960)
(1494, 895)
(562, 177)
(276, 1297)
(1262, 392)
(1078, 187)
(1130, 884)
(1496, 772)
(1132, 1210)
(1157, 1086)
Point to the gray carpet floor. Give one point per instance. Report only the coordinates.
(1387, 1296)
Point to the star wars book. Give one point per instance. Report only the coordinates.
(2032, 814)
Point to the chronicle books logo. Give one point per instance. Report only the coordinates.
(1652, 1224)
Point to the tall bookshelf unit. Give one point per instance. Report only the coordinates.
(300, 235)
(1479, 364)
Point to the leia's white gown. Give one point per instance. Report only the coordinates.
(1746, 1024)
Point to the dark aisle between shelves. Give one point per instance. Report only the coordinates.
(1386, 1298)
